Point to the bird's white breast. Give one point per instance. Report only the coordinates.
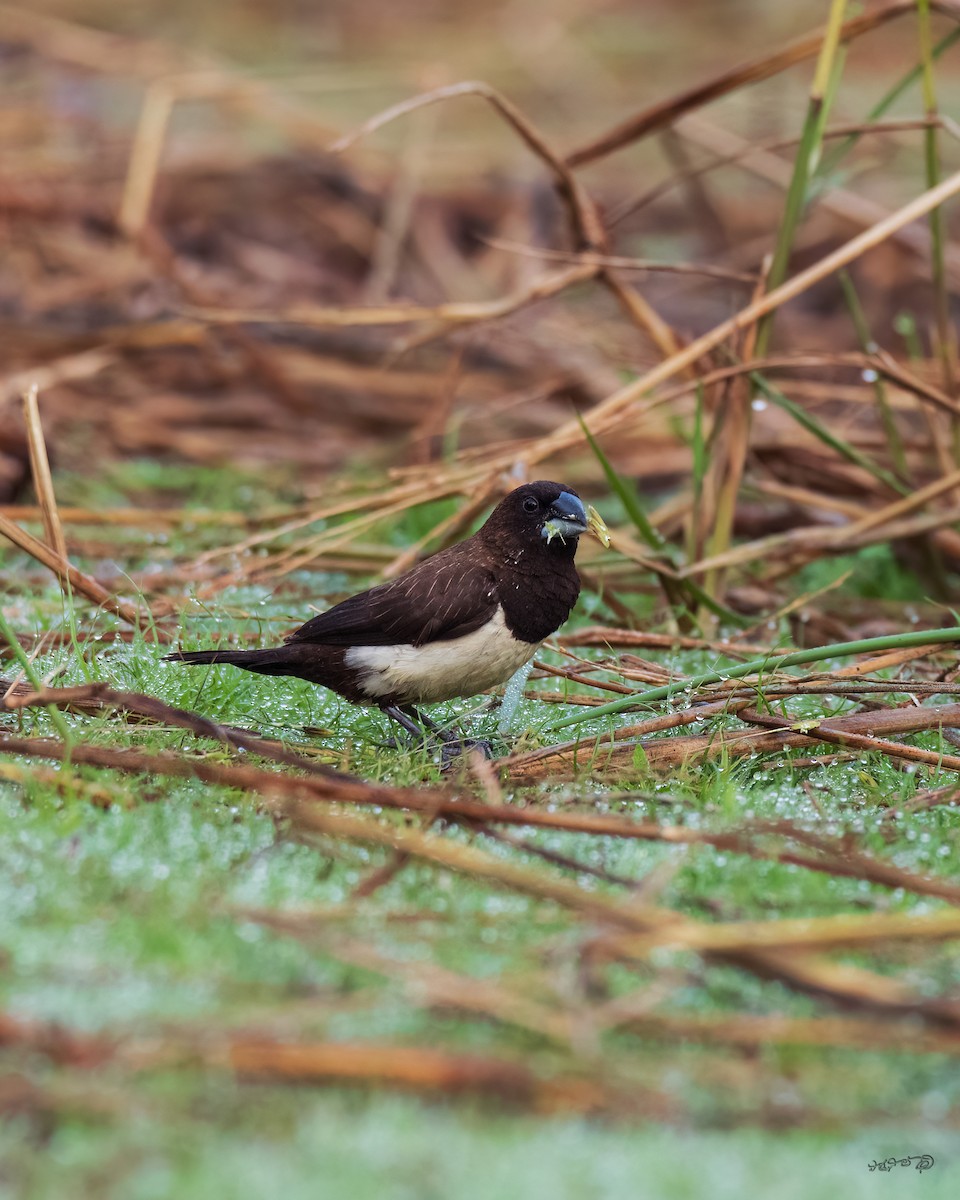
(438, 671)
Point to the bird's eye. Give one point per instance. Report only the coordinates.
(531, 504)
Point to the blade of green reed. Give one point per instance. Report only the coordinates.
(931, 135)
(701, 458)
(700, 465)
(897, 641)
(819, 431)
(833, 156)
(906, 325)
(868, 345)
(625, 494)
(825, 80)
(652, 536)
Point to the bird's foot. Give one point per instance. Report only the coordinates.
(453, 750)
(428, 734)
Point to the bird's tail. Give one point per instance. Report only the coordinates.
(275, 661)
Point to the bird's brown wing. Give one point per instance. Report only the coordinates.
(444, 597)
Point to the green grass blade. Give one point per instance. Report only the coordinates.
(898, 641)
(652, 536)
(626, 495)
(946, 341)
(865, 337)
(825, 81)
(812, 425)
(56, 716)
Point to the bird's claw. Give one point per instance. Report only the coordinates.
(452, 751)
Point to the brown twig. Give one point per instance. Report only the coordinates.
(584, 219)
(70, 578)
(661, 115)
(42, 479)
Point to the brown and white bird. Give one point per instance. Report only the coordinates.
(461, 621)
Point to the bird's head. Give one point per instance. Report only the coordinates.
(545, 513)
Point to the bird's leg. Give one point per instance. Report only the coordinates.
(419, 726)
(426, 730)
(409, 718)
(452, 745)
(425, 722)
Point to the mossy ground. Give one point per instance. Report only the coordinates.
(129, 906)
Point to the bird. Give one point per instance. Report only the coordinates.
(457, 623)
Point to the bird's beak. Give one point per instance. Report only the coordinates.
(567, 518)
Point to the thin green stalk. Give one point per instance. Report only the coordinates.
(834, 155)
(825, 81)
(898, 641)
(733, 421)
(812, 425)
(71, 616)
(625, 493)
(700, 465)
(701, 454)
(945, 337)
(905, 324)
(692, 593)
(833, 86)
(56, 716)
(869, 346)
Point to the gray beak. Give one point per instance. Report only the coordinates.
(567, 518)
